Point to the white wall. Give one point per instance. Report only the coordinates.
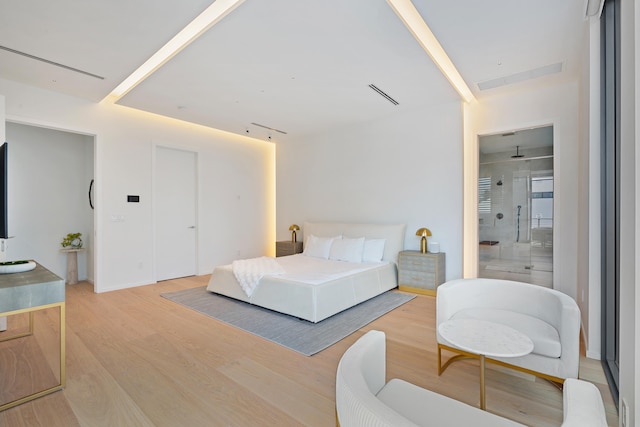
(48, 184)
(557, 106)
(236, 182)
(406, 169)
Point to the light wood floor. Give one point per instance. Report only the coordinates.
(136, 359)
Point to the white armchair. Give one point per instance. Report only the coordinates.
(550, 318)
(364, 399)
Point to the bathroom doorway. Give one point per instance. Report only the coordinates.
(515, 206)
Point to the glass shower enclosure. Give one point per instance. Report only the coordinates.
(515, 207)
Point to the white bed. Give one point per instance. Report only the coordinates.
(312, 288)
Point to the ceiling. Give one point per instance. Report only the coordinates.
(283, 69)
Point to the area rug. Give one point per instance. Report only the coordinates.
(288, 331)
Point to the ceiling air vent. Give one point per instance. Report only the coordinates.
(56, 64)
(384, 95)
(520, 77)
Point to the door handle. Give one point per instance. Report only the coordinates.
(193, 226)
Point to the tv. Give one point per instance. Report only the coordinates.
(4, 223)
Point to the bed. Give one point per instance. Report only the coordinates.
(313, 288)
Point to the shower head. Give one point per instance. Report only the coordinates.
(517, 155)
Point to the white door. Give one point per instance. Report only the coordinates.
(175, 212)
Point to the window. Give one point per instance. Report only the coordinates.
(610, 189)
(542, 202)
(484, 195)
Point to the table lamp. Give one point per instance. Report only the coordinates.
(424, 232)
(293, 228)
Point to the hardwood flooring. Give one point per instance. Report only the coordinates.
(137, 359)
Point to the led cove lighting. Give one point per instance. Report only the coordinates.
(407, 12)
(212, 15)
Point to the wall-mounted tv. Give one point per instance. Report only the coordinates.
(4, 226)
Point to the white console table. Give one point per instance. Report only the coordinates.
(28, 292)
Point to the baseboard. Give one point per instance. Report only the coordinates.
(122, 286)
(594, 355)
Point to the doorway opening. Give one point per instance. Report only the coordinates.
(50, 195)
(515, 206)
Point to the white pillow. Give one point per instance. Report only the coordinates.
(318, 247)
(346, 249)
(373, 250)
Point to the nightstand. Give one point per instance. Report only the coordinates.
(420, 273)
(288, 248)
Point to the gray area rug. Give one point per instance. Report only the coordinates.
(299, 335)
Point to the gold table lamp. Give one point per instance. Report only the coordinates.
(424, 232)
(293, 228)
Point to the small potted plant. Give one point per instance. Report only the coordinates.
(73, 241)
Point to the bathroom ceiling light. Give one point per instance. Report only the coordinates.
(411, 18)
(517, 155)
(207, 19)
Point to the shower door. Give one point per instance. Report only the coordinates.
(505, 219)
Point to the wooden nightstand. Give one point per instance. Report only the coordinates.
(288, 248)
(420, 273)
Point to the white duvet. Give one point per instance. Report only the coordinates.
(299, 268)
(314, 271)
(248, 272)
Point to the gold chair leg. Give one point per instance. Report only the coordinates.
(459, 356)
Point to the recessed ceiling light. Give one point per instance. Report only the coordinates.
(207, 19)
(411, 18)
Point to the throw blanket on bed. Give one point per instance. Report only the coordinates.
(248, 272)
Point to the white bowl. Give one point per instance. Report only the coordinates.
(17, 268)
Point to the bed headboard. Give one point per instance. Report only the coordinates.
(393, 233)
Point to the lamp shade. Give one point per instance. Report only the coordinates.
(423, 232)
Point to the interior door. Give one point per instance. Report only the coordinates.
(175, 213)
